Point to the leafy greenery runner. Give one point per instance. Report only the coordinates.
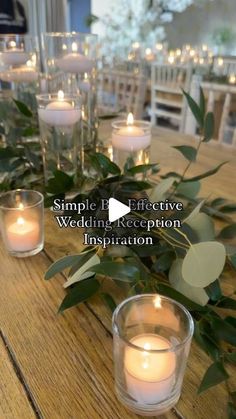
(186, 264)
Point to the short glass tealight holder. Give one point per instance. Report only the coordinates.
(59, 121)
(131, 140)
(21, 216)
(151, 340)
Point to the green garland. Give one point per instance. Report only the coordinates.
(186, 264)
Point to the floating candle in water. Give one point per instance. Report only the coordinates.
(75, 62)
(130, 137)
(14, 55)
(59, 112)
(150, 371)
(25, 73)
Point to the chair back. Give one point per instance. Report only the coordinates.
(121, 91)
(167, 101)
(221, 100)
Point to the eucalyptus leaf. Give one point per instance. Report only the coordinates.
(23, 108)
(223, 330)
(206, 174)
(214, 291)
(228, 208)
(178, 296)
(195, 109)
(202, 104)
(158, 192)
(82, 291)
(83, 270)
(142, 168)
(195, 212)
(60, 183)
(228, 303)
(60, 265)
(124, 272)
(215, 374)
(203, 226)
(233, 260)
(189, 189)
(198, 295)
(203, 263)
(103, 163)
(209, 127)
(228, 232)
(189, 152)
(203, 339)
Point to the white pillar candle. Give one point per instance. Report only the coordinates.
(130, 137)
(75, 62)
(22, 74)
(59, 112)
(150, 376)
(23, 234)
(14, 55)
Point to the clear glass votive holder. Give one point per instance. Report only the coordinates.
(70, 61)
(151, 341)
(21, 218)
(59, 122)
(131, 140)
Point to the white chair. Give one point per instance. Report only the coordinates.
(225, 94)
(121, 91)
(224, 66)
(167, 100)
(221, 100)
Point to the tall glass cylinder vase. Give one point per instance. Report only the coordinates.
(59, 120)
(71, 65)
(19, 79)
(19, 66)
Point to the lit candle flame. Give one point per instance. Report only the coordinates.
(232, 79)
(20, 221)
(220, 62)
(74, 47)
(29, 63)
(159, 47)
(130, 119)
(136, 45)
(64, 47)
(85, 76)
(60, 95)
(12, 44)
(157, 301)
(148, 51)
(21, 206)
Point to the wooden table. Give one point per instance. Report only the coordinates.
(60, 366)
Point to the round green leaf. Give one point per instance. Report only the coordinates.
(203, 226)
(196, 294)
(203, 263)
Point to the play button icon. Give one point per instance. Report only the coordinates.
(117, 210)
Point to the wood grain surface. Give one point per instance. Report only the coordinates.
(60, 366)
